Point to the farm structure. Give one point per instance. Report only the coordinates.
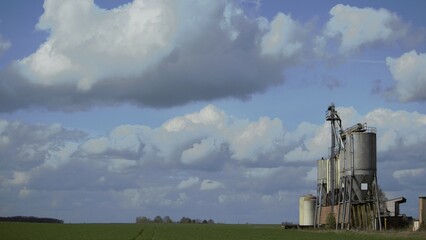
(347, 185)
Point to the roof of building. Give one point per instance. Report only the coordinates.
(398, 200)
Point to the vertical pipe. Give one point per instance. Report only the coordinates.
(350, 203)
(351, 177)
(315, 213)
(344, 202)
(339, 206)
(332, 161)
(377, 201)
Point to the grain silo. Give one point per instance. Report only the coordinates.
(351, 187)
(360, 161)
(358, 197)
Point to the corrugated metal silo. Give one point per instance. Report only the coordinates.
(322, 171)
(360, 162)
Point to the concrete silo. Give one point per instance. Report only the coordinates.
(306, 210)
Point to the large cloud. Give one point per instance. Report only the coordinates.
(149, 53)
(202, 140)
(24, 146)
(283, 37)
(168, 53)
(204, 163)
(357, 27)
(410, 75)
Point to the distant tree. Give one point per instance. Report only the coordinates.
(210, 221)
(158, 219)
(382, 199)
(205, 221)
(30, 219)
(185, 220)
(143, 219)
(167, 219)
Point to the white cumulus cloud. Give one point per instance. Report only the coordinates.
(409, 72)
(188, 182)
(283, 37)
(210, 185)
(150, 53)
(356, 27)
(18, 178)
(397, 129)
(400, 174)
(120, 42)
(199, 150)
(410, 177)
(256, 138)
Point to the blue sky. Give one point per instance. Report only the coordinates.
(206, 109)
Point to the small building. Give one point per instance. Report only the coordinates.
(422, 211)
(392, 206)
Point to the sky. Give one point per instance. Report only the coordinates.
(113, 109)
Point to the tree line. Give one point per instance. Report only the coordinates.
(167, 219)
(30, 219)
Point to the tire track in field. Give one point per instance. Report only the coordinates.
(153, 232)
(149, 234)
(139, 235)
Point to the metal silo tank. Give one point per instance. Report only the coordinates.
(322, 171)
(335, 174)
(361, 161)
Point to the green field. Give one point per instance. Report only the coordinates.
(39, 231)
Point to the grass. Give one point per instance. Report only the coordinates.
(35, 231)
(45, 231)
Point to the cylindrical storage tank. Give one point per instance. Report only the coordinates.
(361, 161)
(335, 173)
(322, 171)
(360, 153)
(307, 210)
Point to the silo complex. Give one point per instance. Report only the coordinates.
(350, 191)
